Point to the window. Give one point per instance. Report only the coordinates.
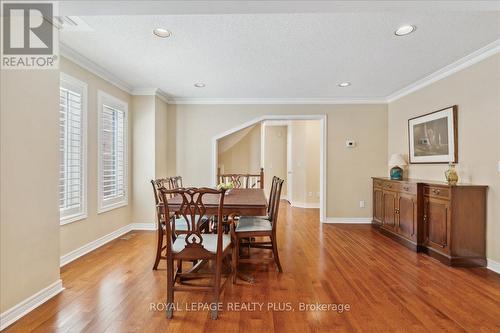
(72, 149)
(113, 187)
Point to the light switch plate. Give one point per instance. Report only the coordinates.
(498, 166)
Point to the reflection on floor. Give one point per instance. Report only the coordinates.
(379, 285)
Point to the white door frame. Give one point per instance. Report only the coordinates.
(289, 175)
(323, 150)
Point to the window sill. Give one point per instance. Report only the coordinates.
(107, 208)
(72, 218)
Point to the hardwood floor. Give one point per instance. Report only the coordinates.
(388, 288)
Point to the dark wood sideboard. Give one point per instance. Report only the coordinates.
(448, 222)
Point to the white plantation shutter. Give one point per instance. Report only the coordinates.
(112, 153)
(72, 116)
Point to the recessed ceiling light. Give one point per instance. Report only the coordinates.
(199, 85)
(344, 84)
(405, 30)
(163, 33)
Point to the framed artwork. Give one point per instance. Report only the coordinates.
(433, 137)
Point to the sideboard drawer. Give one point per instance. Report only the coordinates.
(437, 191)
(409, 188)
(391, 186)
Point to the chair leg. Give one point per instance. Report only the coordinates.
(158, 248)
(275, 253)
(215, 309)
(170, 288)
(234, 261)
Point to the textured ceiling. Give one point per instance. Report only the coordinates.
(272, 55)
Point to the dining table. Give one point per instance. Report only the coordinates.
(240, 201)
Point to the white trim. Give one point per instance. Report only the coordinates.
(299, 204)
(75, 254)
(474, 57)
(493, 265)
(92, 67)
(468, 60)
(89, 247)
(143, 226)
(267, 101)
(262, 144)
(29, 304)
(144, 91)
(105, 98)
(289, 163)
(68, 81)
(323, 149)
(349, 220)
(276, 123)
(151, 92)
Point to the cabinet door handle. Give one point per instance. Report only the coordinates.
(406, 188)
(435, 191)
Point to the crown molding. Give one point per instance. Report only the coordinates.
(276, 101)
(144, 91)
(94, 68)
(467, 61)
(151, 92)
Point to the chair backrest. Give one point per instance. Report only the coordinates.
(175, 182)
(272, 192)
(157, 184)
(242, 180)
(276, 203)
(193, 211)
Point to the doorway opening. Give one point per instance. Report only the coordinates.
(291, 150)
(290, 147)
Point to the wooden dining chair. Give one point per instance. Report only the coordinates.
(160, 219)
(242, 180)
(192, 244)
(177, 224)
(176, 182)
(249, 227)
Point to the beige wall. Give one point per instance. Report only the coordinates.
(144, 162)
(150, 146)
(29, 177)
(305, 136)
(476, 91)
(243, 155)
(275, 156)
(348, 170)
(79, 233)
(161, 139)
(172, 141)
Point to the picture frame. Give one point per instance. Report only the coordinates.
(433, 137)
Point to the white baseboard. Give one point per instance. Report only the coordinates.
(16, 312)
(299, 204)
(29, 304)
(349, 220)
(143, 226)
(75, 254)
(493, 265)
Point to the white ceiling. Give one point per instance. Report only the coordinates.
(268, 53)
